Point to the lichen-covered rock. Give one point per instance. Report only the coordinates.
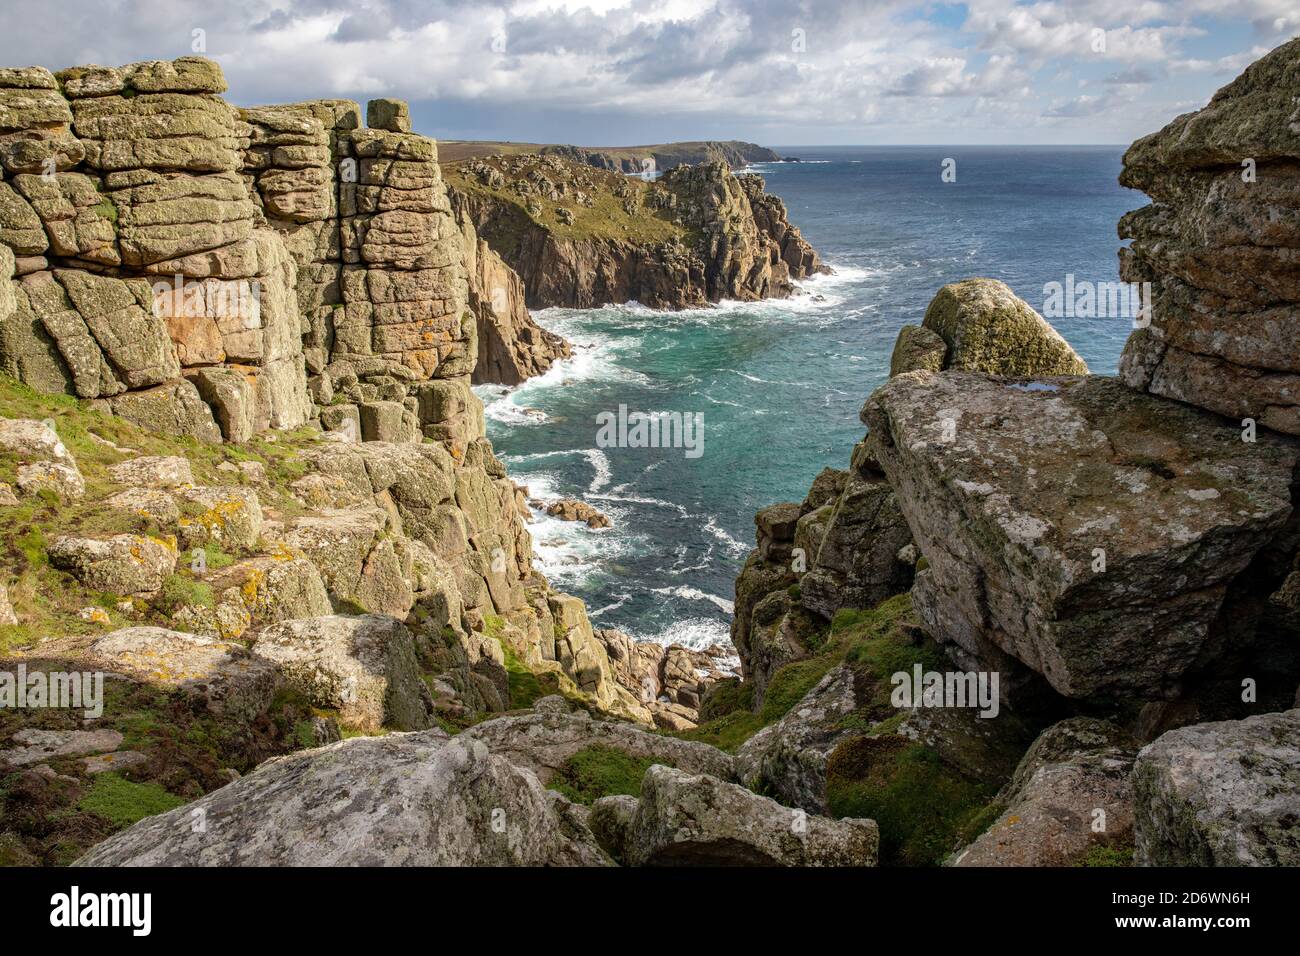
(154, 471)
(1069, 794)
(8, 616)
(542, 742)
(400, 800)
(120, 564)
(229, 517)
(581, 655)
(75, 215)
(917, 349)
(788, 759)
(611, 821)
(392, 115)
(364, 667)
(149, 503)
(31, 441)
(270, 589)
(1221, 794)
(119, 314)
(64, 480)
(852, 550)
(224, 676)
(1216, 246)
(39, 745)
(20, 226)
(987, 328)
(689, 819)
(358, 563)
(173, 407)
(1085, 529)
(42, 461)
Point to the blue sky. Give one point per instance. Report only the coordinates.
(623, 72)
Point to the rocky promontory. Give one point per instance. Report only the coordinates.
(581, 237)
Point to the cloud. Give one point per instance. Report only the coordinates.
(1133, 76)
(948, 76)
(833, 70)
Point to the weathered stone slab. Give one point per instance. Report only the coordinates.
(1088, 530)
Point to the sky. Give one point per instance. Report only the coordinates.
(632, 72)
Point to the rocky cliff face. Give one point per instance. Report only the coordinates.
(221, 273)
(580, 237)
(512, 347)
(144, 275)
(1217, 245)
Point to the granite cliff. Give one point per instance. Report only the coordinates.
(581, 237)
(252, 484)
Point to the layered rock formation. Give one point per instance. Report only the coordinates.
(1217, 245)
(511, 346)
(580, 237)
(143, 273)
(219, 273)
(1036, 507)
(848, 544)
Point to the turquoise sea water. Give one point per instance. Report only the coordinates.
(780, 383)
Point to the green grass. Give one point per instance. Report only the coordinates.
(726, 696)
(122, 803)
(605, 219)
(869, 640)
(525, 687)
(180, 590)
(107, 209)
(924, 809)
(1102, 855)
(600, 771)
(48, 601)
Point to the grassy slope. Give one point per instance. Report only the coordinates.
(606, 219)
(924, 808)
(49, 601)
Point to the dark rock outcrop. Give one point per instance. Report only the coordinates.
(511, 346)
(1070, 795)
(688, 819)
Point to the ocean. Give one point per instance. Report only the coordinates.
(779, 383)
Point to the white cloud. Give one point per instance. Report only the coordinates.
(720, 66)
